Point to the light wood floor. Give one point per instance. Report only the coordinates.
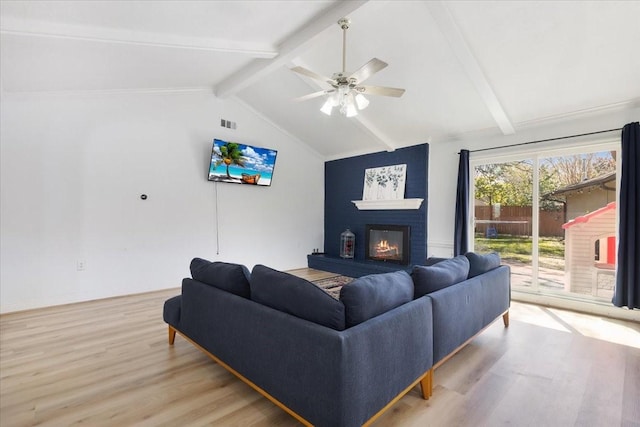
(107, 363)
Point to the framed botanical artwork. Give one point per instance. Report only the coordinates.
(385, 183)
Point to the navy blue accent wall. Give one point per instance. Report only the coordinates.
(344, 181)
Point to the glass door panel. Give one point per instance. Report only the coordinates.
(577, 233)
(503, 216)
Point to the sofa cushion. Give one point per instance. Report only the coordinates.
(479, 264)
(427, 279)
(372, 295)
(232, 278)
(294, 295)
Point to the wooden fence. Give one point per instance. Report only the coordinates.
(516, 221)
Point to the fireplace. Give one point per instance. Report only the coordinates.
(388, 243)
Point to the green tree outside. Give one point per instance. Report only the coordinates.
(230, 154)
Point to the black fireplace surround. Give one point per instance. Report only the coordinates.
(387, 243)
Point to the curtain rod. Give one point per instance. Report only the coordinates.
(544, 140)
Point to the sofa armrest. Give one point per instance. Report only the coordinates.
(385, 354)
(464, 309)
(496, 292)
(171, 311)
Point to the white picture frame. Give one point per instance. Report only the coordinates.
(385, 183)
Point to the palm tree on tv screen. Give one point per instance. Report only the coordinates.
(230, 154)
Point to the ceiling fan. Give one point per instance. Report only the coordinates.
(347, 91)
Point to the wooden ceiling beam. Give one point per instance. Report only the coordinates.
(287, 50)
(34, 28)
(460, 48)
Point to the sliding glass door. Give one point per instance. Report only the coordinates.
(552, 216)
(503, 215)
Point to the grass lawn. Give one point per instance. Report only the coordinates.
(518, 248)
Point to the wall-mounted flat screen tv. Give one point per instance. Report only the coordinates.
(241, 164)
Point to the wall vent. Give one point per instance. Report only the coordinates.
(227, 124)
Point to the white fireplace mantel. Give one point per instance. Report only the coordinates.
(368, 205)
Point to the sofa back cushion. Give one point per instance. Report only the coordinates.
(294, 295)
(372, 295)
(427, 279)
(232, 278)
(479, 264)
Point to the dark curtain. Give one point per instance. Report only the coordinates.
(627, 291)
(461, 233)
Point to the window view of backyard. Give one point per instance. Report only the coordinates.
(560, 238)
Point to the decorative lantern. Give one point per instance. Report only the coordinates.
(347, 244)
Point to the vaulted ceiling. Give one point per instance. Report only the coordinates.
(467, 67)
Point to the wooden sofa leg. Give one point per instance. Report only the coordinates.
(172, 335)
(505, 319)
(426, 384)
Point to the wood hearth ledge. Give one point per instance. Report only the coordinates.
(425, 381)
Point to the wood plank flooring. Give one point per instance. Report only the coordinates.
(107, 363)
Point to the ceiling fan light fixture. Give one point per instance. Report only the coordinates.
(347, 104)
(361, 101)
(350, 110)
(346, 87)
(327, 106)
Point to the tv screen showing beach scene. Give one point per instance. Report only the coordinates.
(241, 164)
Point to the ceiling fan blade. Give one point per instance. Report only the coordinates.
(380, 90)
(313, 95)
(368, 70)
(309, 73)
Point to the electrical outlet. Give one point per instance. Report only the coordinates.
(81, 265)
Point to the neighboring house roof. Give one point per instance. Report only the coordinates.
(587, 217)
(593, 182)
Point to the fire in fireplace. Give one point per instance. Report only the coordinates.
(389, 243)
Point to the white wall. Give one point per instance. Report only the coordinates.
(73, 170)
(443, 161)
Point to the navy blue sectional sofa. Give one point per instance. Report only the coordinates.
(327, 361)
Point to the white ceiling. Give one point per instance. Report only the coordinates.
(467, 66)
